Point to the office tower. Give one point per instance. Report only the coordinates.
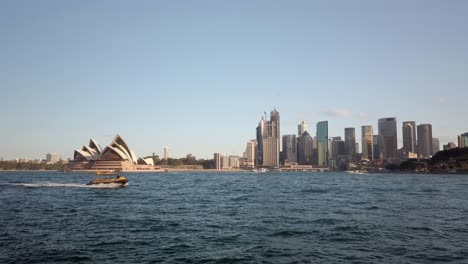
(322, 143)
(289, 149)
(463, 140)
(250, 151)
(337, 148)
(261, 128)
(52, 157)
(424, 141)
(350, 141)
(268, 133)
(435, 146)
(367, 141)
(166, 153)
(224, 161)
(376, 140)
(304, 149)
(233, 161)
(357, 148)
(388, 138)
(409, 136)
(450, 145)
(301, 128)
(217, 160)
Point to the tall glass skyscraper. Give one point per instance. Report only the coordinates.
(425, 141)
(350, 141)
(322, 143)
(289, 148)
(388, 137)
(409, 136)
(268, 138)
(367, 142)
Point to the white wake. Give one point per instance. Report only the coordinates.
(74, 185)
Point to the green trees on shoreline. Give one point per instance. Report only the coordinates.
(30, 165)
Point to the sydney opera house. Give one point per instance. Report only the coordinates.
(117, 156)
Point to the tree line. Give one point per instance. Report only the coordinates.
(30, 165)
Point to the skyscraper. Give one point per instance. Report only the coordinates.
(52, 158)
(376, 139)
(425, 140)
(289, 149)
(166, 153)
(250, 153)
(304, 149)
(350, 141)
(463, 140)
(388, 137)
(435, 146)
(301, 128)
(322, 143)
(409, 136)
(268, 132)
(367, 142)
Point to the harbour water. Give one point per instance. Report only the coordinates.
(52, 217)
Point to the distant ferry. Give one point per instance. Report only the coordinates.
(108, 178)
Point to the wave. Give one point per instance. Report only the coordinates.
(73, 185)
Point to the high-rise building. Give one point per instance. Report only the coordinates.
(337, 148)
(388, 138)
(376, 139)
(367, 141)
(409, 136)
(234, 161)
(289, 149)
(217, 160)
(52, 157)
(268, 133)
(425, 141)
(435, 146)
(250, 152)
(301, 128)
(166, 153)
(463, 140)
(305, 149)
(322, 143)
(450, 145)
(350, 141)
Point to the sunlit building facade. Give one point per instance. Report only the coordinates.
(367, 141)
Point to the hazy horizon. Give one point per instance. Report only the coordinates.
(198, 76)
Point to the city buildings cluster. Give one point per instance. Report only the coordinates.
(378, 147)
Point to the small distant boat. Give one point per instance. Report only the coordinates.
(261, 170)
(356, 172)
(108, 178)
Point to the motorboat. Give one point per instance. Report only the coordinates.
(108, 178)
(356, 172)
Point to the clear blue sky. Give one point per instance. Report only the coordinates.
(197, 75)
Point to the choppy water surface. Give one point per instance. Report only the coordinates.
(48, 217)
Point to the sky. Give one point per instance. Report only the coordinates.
(198, 75)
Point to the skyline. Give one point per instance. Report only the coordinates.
(198, 77)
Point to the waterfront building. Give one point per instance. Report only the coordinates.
(376, 139)
(224, 162)
(301, 128)
(367, 141)
(117, 156)
(217, 160)
(425, 141)
(250, 151)
(289, 149)
(388, 138)
(234, 161)
(409, 136)
(268, 133)
(450, 145)
(463, 140)
(304, 149)
(350, 141)
(166, 153)
(435, 146)
(52, 158)
(322, 143)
